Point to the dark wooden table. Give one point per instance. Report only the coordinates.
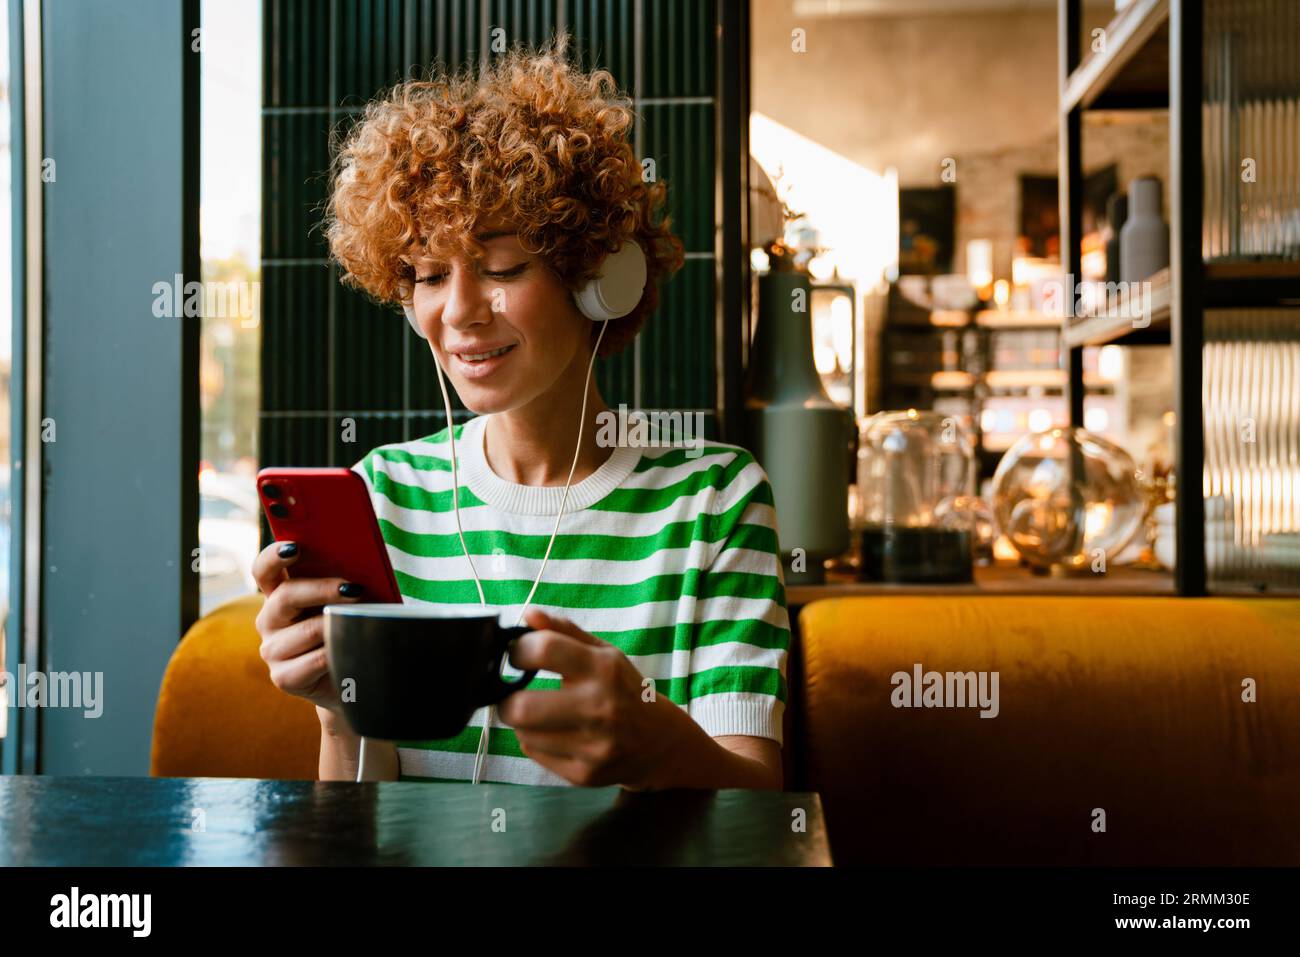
(119, 821)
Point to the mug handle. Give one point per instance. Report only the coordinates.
(497, 689)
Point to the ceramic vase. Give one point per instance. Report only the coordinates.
(801, 438)
(1144, 240)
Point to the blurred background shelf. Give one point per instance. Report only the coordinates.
(1008, 319)
(1227, 284)
(1128, 322)
(999, 579)
(998, 369)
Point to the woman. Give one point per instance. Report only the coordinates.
(482, 204)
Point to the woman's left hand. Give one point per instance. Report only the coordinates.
(605, 725)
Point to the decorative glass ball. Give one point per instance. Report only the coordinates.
(1067, 498)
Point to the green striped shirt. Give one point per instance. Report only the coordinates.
(671, 554)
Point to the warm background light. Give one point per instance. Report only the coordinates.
(854, 210)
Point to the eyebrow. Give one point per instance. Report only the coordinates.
(489, 235)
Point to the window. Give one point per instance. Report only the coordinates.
(6, 350)
(231, 340)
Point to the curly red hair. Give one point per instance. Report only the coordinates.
(532, 140)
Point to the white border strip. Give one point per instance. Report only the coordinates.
(32, 462)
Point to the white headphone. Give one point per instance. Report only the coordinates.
(611, 295)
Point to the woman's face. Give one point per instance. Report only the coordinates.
(507, 299)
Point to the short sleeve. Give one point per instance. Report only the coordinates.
(366, 469)
(742, 637)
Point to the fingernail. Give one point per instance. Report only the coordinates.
(288, 550)
(351, 590)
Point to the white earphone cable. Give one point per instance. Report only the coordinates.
(481, 755)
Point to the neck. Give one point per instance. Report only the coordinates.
(533, 444)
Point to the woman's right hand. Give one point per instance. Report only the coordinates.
(292, 624)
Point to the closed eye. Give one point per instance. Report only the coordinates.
(509, 273)
(435, 278)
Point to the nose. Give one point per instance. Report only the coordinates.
(465, 301)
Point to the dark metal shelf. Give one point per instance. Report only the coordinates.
(1121, 326)
(1252, 284)
(1225, 285)
(1152, 54)
(1132, 72)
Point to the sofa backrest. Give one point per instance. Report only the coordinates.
(1137, 709)
(218, 713)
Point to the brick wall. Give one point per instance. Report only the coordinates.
(988, 184)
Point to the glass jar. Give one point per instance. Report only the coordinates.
(915, 472)
(1067, 499)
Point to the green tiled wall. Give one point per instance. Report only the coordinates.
(328, 354)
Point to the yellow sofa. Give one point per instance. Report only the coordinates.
(1133, 706)
(1128, 706)
(218, 714)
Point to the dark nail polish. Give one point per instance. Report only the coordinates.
(351, 590)
(288, 550)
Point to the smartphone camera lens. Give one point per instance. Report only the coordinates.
(279, 511)
(271, 491)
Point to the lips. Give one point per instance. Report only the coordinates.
(478, 353)
(488, 361)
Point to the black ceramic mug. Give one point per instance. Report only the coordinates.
(411, 672)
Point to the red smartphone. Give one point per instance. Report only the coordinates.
(327, 512)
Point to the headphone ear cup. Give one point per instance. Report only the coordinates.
(410, 317)
(618, 288)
